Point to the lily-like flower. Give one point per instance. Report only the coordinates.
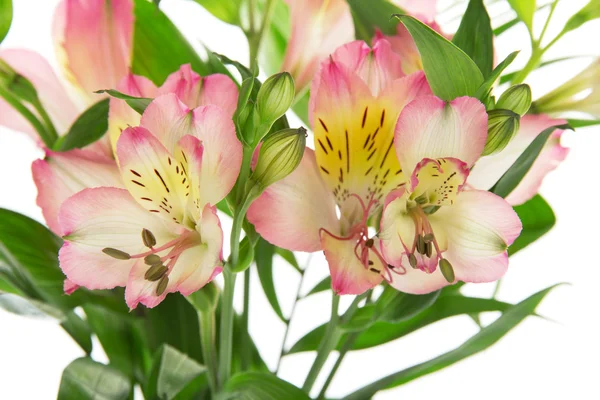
(433, 230)
(161, 234)
(580, 94)
(355, 101)
(93, 42)
(318, 28)
(489, 169)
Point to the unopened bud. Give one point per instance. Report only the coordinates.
(279, 156)
(152, 259)
(503, 125)
(275, 97)
(162, 285)
(114, 253)
(516, 99)
(447, 270)
(148, 238)
(155, 272)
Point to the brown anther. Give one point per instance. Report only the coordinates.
(428, 249)
(369, 243)
(421, 245)
(152, 259)
(428, 238)
(447, 270)
(155, 272)
(371, 262)
(412, 260)
(162, 285)
(148, 238)
(114, 253)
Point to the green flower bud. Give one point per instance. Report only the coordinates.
(205, 299)
(502, 127)
(275, 97)
(516, 99)
(280, 154)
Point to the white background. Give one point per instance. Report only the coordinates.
(539, 359)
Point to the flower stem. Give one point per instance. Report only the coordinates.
(207, 336)
(346, 346)
(245, 318)
(256, 37)
(42, 131)
(226, 334)
(328, 343)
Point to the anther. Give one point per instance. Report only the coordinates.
(152, 259)
(447, 270)
(155, 272)
(369, 243)
(114, 253)
(162, 285)
(428, 238)
(421, 245)
(148, 238)
(428, 249)
(412, 260)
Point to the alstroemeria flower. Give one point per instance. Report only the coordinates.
(489, 169)
(192, 89)
(161, 234)
(93, 41)
(432, 229)
(355, 101)
(318, 28)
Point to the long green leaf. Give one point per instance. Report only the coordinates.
(513, 176)
(264, 265)
(371, 15)
(588, 13)
(6, 15)
(476, 24)
(486, 87)
(85, 379)
(172, 371)
(261, 386)
(525, 10)
(227, 11)
(383, 332)
(79, 330)
(139, 104)
(537, 218)
(325, 284)
(481, 341)
(29, 308)
(89, 127)
(449, 70)
(582, 123)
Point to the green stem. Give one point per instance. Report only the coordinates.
(53, 135)
(207, 336)
(497, 288)
(226, 334)
(255, 38)
(547, 23)
(533, 63)
(245, 318)
(46, 136)
(346, 346)
(328, 343)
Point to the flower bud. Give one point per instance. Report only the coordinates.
(280, 154)
(502, 127)
(275, 97)
(516, 99)
(205, 299)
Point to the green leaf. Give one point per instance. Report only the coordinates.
(383, 332)
(394, 306)
(172, 371)
(588, 13)
(449, 70)
(89, 127)
(289, 257)
(371, 15)
(506, 26)
(6, 15)
(513, 176)
(29, 308)
(226, 11)
(488, 336)
(274, 44)
(261, 386)
(86, 379)
(525, 10)
(325, 284)
(79, 331)
(264, 266)
(537, 218)
(582, 123)
(476, 24)
(138, 104)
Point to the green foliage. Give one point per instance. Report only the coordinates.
(138, 104)
(537, 218)
(227, 11)
(322, 286)
(6, 15)
(260, 386)
(85, 379)
(91, 125)
(525, 10)
(264, 266)
(476, 24)
(371, 15)
(588, 13)
(486, 87)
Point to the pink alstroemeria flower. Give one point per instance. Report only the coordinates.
(175, 167)
(93, 42)
(432, 222)
(489, 169)
(355, 101)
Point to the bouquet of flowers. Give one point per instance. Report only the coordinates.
(411, 160)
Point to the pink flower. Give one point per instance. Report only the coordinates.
(161, 233)
(355, 101)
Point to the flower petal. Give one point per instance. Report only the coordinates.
(440, 180)
(97, 218)
(425, 9)
(479, 228)
(416, 281)
(431, 128)
(489, 169)
(50, 90)
(290, 212)
(94, 40)
(348, 275)
(61, 175)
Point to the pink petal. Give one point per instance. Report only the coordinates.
(120, 114)
(479, 228)
(489, 169)
(416, 281)
(431, 128)
(425, 9)
(97, 218)
(61, 175)
(318, 27)
(94, 39)
(290, 212)
(195, 267)
(51, 92)
(69, 287)
(194, 90)
(348, 275)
